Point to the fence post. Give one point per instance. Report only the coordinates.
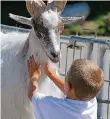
(101, 52)
(89, 51)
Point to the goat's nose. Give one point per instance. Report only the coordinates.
(54, 54)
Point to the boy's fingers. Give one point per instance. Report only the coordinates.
(33, 61)
(38, 65)
(29, 58)
(42, 3)
(46, 65)
(29, 61)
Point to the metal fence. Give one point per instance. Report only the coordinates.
(75, 47)
(97, 50)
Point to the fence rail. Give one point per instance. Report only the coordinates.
(85, 39)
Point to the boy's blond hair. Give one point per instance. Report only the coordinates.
(86, 78)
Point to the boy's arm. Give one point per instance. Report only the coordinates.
(32, 88)
(52, 75)
(34, 73)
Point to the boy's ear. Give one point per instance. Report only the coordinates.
(68, 87)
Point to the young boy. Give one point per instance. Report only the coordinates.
(81, 86)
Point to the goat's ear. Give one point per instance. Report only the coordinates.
(21, 19)
(68, 20)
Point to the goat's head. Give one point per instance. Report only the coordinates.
(47, 24)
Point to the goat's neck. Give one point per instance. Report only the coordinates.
(35, 48)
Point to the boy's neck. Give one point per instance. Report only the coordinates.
(71, 95)
(72, 98)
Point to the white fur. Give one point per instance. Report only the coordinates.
(54, 41)
(50, 19)
(15, 103)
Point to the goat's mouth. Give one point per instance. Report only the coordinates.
(53, 59)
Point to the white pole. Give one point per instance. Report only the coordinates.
(101, 53)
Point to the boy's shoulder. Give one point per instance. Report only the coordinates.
(41, 97)
(63, 107)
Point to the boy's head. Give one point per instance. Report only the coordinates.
(85, 78)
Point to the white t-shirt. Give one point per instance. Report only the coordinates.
(48, 107)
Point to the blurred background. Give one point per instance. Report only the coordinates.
(97, 15)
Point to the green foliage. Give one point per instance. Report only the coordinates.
(104, 25)
(74, 28)
(101, 24)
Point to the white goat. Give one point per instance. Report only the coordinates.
(16, 48)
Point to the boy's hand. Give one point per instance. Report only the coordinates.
(51, 73)
(49, 70)
(34, 69)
